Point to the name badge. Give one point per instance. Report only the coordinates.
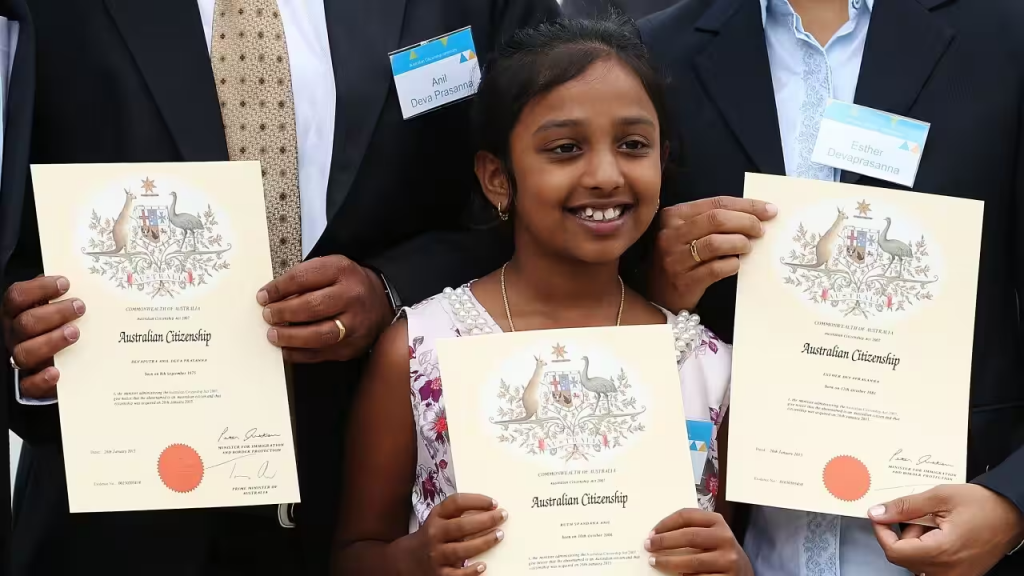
(699, 434)
(870, 142)
(436, 72)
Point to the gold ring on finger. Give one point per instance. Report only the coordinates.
(341, 329)
(693, 251)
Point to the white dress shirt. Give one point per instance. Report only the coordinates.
(309, 55)
(805, 75)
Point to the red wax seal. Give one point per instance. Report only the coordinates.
(847, 478)
(180, 468)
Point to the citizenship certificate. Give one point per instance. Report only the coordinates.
(172, 397)
(580, 434)
(852, 351)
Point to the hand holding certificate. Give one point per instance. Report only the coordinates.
(36, 327)
(852, 360)
(700, 243)
(171, 397)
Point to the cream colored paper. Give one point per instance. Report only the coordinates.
(631, 452)
(172, 397)
(851, 382)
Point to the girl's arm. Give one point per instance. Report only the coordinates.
(380, 468)
(380, 464)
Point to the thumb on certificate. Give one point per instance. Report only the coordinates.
(908, 508)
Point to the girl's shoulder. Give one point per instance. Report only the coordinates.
(693, 339)
(453, 312)
(705, 366)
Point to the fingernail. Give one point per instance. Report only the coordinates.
(651, 560)
(876, 511)
(647, 545)
(71, 333)
(650, 534)
(481, 567)
(79, 307)
(499, 535)
(50, 375)
(63, 284)
(262, 297)
(272, 336)
(771, 209)
(268, 317)
(504, 514)
(494, 504)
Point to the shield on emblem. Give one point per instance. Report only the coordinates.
(860, 246)
(152, 223)
(564, 386)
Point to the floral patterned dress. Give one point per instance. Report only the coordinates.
(704, 374)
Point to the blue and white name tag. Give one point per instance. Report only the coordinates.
(436, 73)
(699, 434)
(870, 142)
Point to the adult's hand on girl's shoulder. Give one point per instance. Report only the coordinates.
(693, 541)
(700, 243)
(462, 527)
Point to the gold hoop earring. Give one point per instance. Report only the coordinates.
(503, 216)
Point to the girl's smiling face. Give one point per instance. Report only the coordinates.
(587, 163)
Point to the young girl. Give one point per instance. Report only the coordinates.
(571, 159)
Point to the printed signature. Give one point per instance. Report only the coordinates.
(244, 471)
(920, 461)
(263, 472)
(250, 434)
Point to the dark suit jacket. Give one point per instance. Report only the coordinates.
(17, 130)
(130, 81)
(955, 63)
(635, 9)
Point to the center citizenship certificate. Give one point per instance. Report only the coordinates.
(580, 434)
(853, 342)
(172, 397)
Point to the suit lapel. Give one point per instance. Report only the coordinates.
(17, 132)
(361, 35)
(905, 43)
(736, 73)
(166, 39)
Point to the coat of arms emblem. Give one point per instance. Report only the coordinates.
(155, 248)
(859, 267)
(567, 410)
(152, 222)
